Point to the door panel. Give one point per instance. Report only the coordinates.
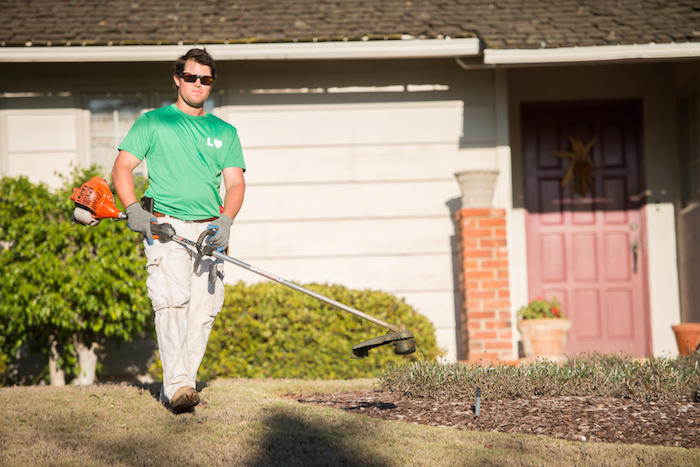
(580, 247)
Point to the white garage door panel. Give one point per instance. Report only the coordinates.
(41, 133)
(340, 201)
(362, 163)
(41, 167)
(340, 238)
(395, 274)
(446, 342)
(339, 124)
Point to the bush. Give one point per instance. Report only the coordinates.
(652, 379)
(65, 284)
(267, 330)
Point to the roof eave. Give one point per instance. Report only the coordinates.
(380, 49)
(600, 53)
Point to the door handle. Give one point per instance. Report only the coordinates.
(634, 246)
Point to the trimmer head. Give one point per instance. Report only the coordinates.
(404, 344)
(94, 202)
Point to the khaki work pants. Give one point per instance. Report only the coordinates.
(185, 304)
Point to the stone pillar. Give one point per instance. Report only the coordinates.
(481, 232)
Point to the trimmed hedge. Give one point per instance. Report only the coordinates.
(267, 330)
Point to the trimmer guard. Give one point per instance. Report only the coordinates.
(404, 343)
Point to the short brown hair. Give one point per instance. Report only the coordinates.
(200, 56)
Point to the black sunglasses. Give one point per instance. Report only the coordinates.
(191, 78)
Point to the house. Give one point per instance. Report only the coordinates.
(355, 118)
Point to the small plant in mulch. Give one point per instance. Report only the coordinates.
(659, 379)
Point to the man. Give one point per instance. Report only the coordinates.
(187, 151)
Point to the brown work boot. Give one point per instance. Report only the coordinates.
(184, 400)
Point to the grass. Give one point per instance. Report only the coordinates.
(653, 379)
(249, 423)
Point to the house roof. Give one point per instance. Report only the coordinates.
(498, 25)
(504, 24)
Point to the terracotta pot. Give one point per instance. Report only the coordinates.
(687, 337)
(544, 337)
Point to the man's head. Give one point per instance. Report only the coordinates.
(193, 77)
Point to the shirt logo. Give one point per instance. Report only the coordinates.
(217, 143)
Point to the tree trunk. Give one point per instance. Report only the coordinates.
(87, 363)
(57, 374)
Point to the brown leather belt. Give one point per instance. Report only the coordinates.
(158, 214)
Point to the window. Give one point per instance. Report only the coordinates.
(111, 118)
(689, 128)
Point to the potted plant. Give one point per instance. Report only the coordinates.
(687, 337)
(543, 328)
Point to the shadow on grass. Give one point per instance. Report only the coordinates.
(293, 440)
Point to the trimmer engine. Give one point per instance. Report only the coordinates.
(94, 202)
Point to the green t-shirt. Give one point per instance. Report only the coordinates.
(185, 157)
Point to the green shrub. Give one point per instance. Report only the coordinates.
(269, 330)
(601, 375)
(64, 282)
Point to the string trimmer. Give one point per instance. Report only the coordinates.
(94, 202)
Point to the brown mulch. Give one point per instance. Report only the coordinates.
(591, 419)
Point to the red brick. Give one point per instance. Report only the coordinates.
(496, 304)
(499, 233)
(506, 334)
(494, 284)
(472, 285)
(480, 358)
(469, 243)
(477, 233)
(481, 294)
(499, 345)
(501, 253)
(480, 315)
(476, 346)
(469, 222)
(492, 222)
(504, 316)
(475, 212)
(503, 263)
(474, 305)
(474, 326)
(470, 265)
(488, 242)
(497, 325)
(503, 274)
(504, 294)
(483, 335)
(499, 213)
(480, 274)
(478, 254)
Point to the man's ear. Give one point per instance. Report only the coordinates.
(176, 80)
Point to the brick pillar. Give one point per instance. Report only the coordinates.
(486, 317)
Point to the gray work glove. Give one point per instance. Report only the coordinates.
(223, 230)
(139, 220)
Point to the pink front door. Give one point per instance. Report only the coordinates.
(588, 251)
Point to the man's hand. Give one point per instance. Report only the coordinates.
(223, 230)
(140, 221)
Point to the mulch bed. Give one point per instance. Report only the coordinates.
(589, 419)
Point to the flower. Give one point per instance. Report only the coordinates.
(540, 308)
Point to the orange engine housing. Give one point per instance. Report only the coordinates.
(96, 197)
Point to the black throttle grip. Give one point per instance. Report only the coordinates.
(202, 249)
(163, 232)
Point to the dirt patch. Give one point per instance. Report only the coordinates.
(591, 419)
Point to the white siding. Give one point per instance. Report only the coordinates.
(360, 195)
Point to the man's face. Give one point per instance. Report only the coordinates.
(193, 94)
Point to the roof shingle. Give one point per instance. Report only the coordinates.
(500, 24)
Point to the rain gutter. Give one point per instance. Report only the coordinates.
(379, 49)
(591, 54)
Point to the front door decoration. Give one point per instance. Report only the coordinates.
(580, 167)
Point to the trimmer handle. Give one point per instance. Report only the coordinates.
(162, 232)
